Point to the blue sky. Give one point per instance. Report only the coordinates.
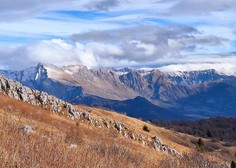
(174, 34)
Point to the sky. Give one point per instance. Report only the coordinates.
(168, 34)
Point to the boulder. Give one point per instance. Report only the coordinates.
(26, 129)
(157, 143)
(119, 127)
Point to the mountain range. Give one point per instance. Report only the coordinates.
(146, 94)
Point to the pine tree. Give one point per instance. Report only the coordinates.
(209, 134)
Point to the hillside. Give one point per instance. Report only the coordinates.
(56, 141)
(36, 135)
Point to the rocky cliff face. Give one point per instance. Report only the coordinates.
(37, 98)
(196, 77)
(34, 97)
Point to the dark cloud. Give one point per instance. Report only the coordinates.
(145, 33)
(103, 5)
(148, 42)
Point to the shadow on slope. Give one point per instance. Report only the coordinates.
(138, 107)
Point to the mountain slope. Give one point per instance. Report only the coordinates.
(177, 92)
(217, 99)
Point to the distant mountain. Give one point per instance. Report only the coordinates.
(215, 99)
(106, 83)
(216, 96)
(196, 77)
(139, 93)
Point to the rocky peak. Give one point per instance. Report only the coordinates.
(75, 68)
(122, 70)
(134, 80)
(41, 72)
(157, 77)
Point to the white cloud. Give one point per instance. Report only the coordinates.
(144, 49)
(60, 53)
(222, 64)
(94, 54)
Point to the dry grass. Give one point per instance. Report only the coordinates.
(50, 149)
(168, 137)
(191, 160)
(60, 142)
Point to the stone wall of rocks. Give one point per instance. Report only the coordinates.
(18, 91)
(153, 142)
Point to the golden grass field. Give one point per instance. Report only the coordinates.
(57, 141)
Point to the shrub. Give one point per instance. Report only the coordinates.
(200, 145)
(145, 128)
(233, 164)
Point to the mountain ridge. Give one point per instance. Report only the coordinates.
(170, 91)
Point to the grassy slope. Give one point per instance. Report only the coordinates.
(49, 145)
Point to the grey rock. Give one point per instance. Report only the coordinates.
(18, 91)
(85, 115)
(157, 143)
(142, 139)
(119, 127)
(105, 123)
(43, 97)
(164, 149)
(132, 136)
(26, 129)
(73, 146)
(125, 134)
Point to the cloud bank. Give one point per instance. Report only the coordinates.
(224, 68)
(109, 33)
(154, 47)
